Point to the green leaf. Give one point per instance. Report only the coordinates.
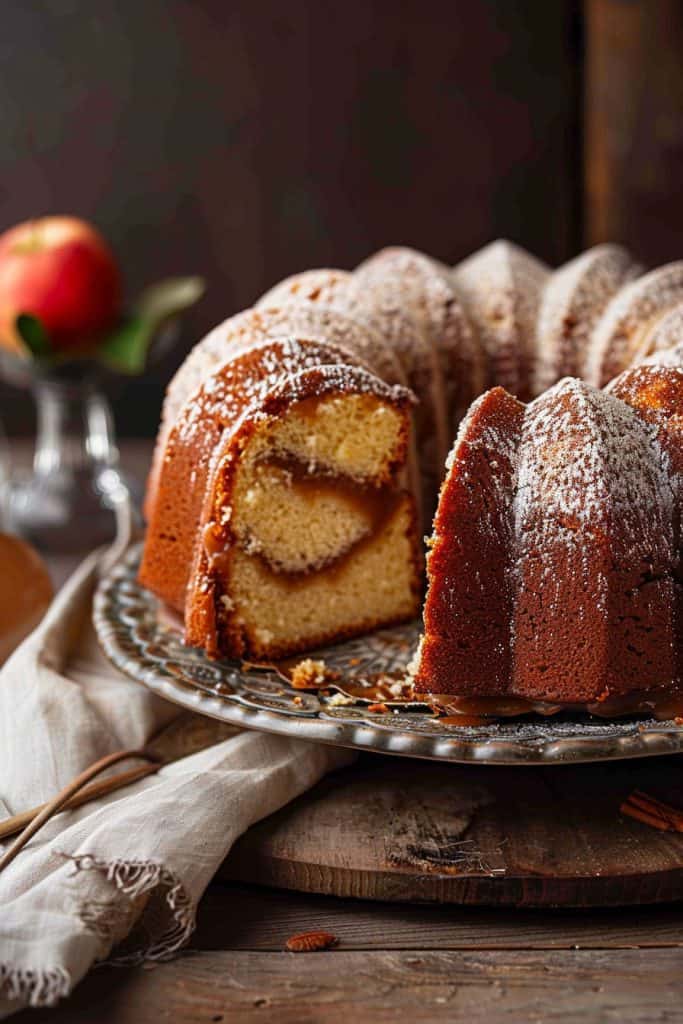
(169, 297)
(126, 349)
(33, 334)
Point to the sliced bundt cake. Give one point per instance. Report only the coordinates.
(287, 482)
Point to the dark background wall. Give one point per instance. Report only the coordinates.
(247, 140)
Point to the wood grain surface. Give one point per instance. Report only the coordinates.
(391, 829)
(575, 987)
(250, 917)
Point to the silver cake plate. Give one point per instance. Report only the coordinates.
(134, 637)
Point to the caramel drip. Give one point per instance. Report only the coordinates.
(463, 720)
(665, 704)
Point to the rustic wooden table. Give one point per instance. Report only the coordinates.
(396, 960)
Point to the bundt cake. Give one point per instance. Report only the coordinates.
(554, 568)
(294, 470)
(280, 519)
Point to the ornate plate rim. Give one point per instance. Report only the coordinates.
(648, 740)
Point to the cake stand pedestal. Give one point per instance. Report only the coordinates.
(394, 829)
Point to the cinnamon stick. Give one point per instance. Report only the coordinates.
(653, 812)
(76, 786)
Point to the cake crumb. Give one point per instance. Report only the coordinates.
(340, 700)
(310, 674)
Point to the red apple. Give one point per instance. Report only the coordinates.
(62, 271)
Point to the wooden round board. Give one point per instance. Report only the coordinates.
(389, 829)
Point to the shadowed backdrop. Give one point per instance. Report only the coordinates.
(246, 141)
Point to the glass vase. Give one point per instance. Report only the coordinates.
(67, 502)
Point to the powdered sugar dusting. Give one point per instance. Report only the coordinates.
(616, 336)
(328, 324)
(378, 293)
(426, 289)
(666, 332)
(501, 286)
(239, 384)
(325, 286)
(665, 357)
(588, 464)
(573, 300)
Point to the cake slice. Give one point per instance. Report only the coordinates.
(281, 518)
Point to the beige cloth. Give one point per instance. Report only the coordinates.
(141, 858)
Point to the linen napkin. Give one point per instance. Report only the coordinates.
(120, 877)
